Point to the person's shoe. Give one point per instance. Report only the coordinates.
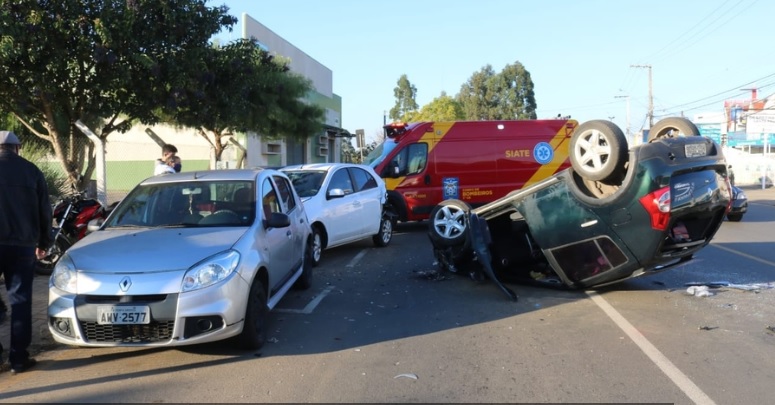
(20, 368)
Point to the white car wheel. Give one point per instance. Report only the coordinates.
(317, 246)
(385, 234)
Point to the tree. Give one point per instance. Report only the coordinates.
(241, 88)
(505, 95)
(515, 93)
(475, 97)
(442, 108)
(406, 103)
(107, 63)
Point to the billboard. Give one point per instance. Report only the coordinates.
(750, 122)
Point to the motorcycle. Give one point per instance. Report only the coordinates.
(71, 215)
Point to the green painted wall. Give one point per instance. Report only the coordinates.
(124, 175)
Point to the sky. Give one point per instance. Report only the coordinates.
(587, 59)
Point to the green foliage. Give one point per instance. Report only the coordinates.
(55, 178)
(406, 103)
(498, 96)
(442, 108)
(475, 95)
(107, 63)
(352, 154)
(242, 88)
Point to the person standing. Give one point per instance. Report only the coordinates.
(25, 224)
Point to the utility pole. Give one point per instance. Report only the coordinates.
(753, 92)
(651, 94)
(627, 130)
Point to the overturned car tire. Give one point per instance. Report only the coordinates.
(447, 225)
(599, 151)
(673, 127)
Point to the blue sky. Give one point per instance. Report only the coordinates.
(579, 53)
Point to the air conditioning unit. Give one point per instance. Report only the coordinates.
(323, 151)
(271, 148)
(323, 140)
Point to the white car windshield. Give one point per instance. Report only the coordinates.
(306, 182)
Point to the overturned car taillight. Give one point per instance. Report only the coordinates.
(657, 204)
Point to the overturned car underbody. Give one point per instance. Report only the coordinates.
(612, 216)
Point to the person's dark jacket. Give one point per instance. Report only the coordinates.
(25, 210)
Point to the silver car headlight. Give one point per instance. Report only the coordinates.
(210, 271)
(64, 276)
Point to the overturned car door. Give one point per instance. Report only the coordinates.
(576, 241)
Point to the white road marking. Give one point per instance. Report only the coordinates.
(357, 258)
(746, 255)
(673, 373)
(310, 307)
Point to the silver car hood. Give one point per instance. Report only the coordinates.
(150, 250)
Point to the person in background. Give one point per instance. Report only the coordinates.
(24, 235)
(163, 167)
(169, 160)
(175, 163)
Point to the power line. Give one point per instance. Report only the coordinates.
(733, 89)
(713, 25)
(677, 39)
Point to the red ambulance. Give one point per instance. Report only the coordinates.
(476, 162)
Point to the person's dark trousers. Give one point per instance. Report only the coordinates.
(18, 266)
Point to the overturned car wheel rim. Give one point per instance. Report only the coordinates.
(448, 223)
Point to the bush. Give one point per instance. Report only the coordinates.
(55, 178)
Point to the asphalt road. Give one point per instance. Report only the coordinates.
(380, 325)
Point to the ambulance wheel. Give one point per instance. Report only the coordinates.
(673, 127)
(447, 225)
(599, 151)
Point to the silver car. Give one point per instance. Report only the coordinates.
(185, 258)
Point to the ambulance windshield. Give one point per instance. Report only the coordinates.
(378, 154)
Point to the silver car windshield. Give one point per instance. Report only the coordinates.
(187, 204)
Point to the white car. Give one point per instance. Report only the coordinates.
(185, 258)
(344, 203)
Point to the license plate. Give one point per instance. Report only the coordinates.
(123, 315)
(695, 150)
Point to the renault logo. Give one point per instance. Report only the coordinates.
(124, 284)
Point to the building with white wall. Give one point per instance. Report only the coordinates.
(130, 157)
(326, 147)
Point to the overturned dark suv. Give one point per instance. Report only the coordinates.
(615, 214)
